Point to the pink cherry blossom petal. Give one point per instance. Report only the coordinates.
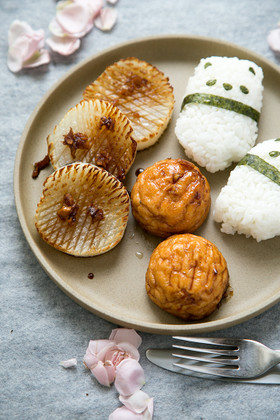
(39, 59)
(96, 346)
(17, 53)
(116, 355)
(123, 413)
(34, 43)
(90, 360)
(56, 30)
(106, 352)
(63, 46)
(23, 38)
(17, 29)
(25, 47)
(87, 29)
(129, 377)
(137, 402)
(150, 407)
(101, 347)
(106, 19)
(14, 63)
(96, 351)
(103, 350)
(73, 18)
(127, 335)
(130, 350)
(273, 40)
(93, 6)
(104, 373)
(69, 363)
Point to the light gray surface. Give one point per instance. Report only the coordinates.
(39, 325)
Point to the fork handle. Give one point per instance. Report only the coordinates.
(277, 353)
(275, 357)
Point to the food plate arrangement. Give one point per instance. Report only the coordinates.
(112, 285)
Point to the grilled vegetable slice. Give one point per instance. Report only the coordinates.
(94, 132)
(141, 92)
(83, 211)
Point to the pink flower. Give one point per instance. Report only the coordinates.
(116, 359)
(103, 356)
(25, 47)
(273, 40)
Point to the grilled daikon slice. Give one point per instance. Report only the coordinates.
(141, 92)
(83, 210)
(94, 132)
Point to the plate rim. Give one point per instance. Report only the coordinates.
(150, 327)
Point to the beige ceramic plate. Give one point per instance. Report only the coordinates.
(117, 291)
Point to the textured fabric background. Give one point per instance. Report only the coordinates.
(39, 324)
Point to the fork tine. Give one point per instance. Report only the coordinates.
(203, 350)
(219, 360)
(218, 371)
(227, 342)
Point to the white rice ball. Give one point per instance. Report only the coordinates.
(215, 137)
(249, 203)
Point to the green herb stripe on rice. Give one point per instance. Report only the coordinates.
(221, 102)
(261, 166)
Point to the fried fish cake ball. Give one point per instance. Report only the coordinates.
(187, 276)
(171, 196)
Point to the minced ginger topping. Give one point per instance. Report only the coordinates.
(132, 83)
(68, 210)
(96, 213)
(76, 141)
(108, 122)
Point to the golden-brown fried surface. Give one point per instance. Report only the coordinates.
(187, 276)
(171, 196)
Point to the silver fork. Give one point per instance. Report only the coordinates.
(227, 357)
